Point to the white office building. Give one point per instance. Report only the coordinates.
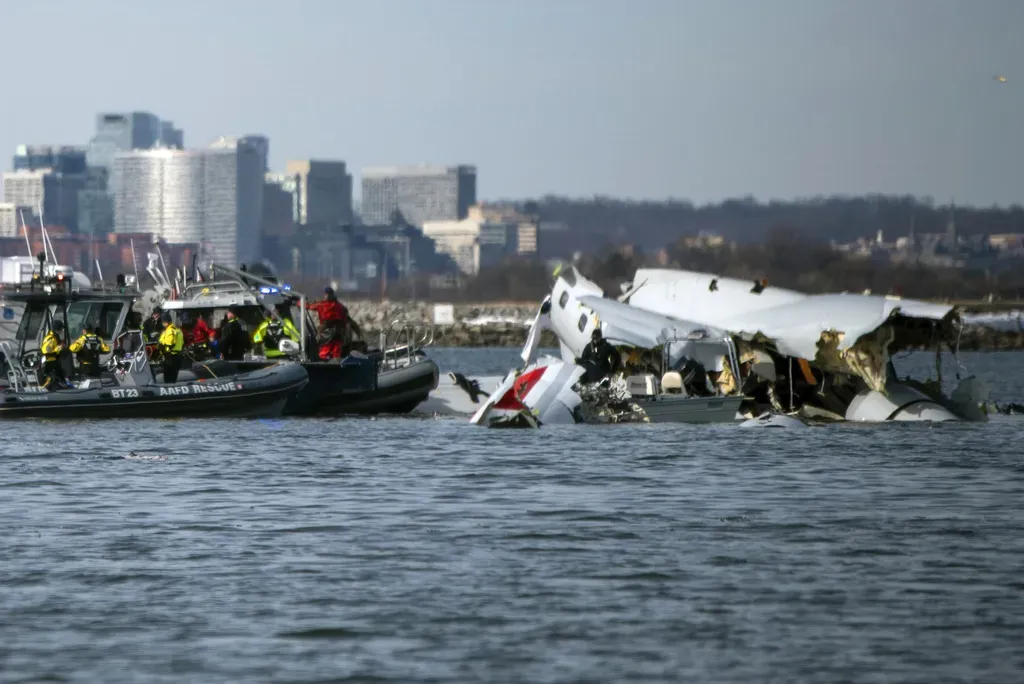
(212, 196)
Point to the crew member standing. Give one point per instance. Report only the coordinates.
(152, 328)
(171, 342)
(88, 348)
(51, 349)
(232, 339)
(334, 321)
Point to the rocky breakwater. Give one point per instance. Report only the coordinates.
(454, 325)
(506, 324)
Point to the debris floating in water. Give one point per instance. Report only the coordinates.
(133, 456)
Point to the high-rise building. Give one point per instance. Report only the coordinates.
(54, 192)
(323, 191)
(171, 137)
(212, 196)
(95, 204)
(10, 221)
(233, 202)
(278, 206)
(117, 133)
(121, 133)
(67, 159)
(420, 193)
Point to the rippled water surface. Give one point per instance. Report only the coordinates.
(413, 550)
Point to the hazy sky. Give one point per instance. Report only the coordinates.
(639, 98)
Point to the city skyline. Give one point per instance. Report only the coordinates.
(648, 99)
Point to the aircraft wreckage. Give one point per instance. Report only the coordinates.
(700, 348)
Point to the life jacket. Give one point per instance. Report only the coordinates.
(272, 335)
(91, 349)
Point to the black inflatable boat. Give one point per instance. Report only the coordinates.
(131, 393)
(357, 385)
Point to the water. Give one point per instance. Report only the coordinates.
(405, 550)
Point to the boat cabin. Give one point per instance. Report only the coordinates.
(44, 301)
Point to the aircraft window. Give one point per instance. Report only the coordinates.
(583, 322)
(563, 299)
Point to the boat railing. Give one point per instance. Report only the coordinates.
(132, 362)
(401, 340)
(20, 378)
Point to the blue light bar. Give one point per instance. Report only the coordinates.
(286, 287)
(268, 290)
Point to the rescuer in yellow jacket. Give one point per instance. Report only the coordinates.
(88, 348)
(51, 348)
(275, 328)
(171, 342)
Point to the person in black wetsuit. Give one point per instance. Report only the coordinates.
(599, 358)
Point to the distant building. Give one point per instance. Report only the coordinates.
(362, 258)
(212, 196)
(260, 143)
(55, 192)
(323, 191)
(420, 193)
(67, 159)
(95, 204)
(10, 225)
(487, 236)
(123, 132)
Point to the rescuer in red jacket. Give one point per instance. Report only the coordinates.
(334, 321)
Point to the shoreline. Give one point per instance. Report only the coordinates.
(507, 325)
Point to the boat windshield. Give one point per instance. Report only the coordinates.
(103, 315)
(31, 322)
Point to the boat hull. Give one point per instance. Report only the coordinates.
(697, 410)
(261, 394)
(357, 386)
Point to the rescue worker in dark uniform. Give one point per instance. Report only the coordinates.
(171, 342)
(51, 349)
(153, 326)
(599, 358)
(233, 340)
(88, 348)
(275, 328)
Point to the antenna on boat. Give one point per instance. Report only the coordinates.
(163, 266)
(99, 270)
(24, 230)
(46, 237)
(135, 265)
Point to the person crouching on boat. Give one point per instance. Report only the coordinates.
(334, 319)
(171, 342)
(88, 348)
(51, 349)
(232, 339)
(277, 327)
(599, 358)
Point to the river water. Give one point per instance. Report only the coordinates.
(429, 550)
